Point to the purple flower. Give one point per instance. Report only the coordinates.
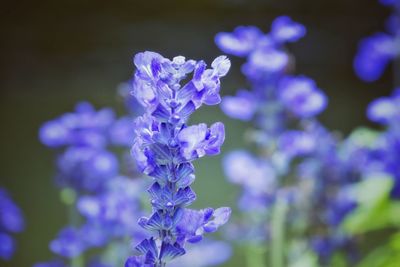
(389, 2)
(7, 246)
(207, 253)
(164, 147)
(193, 224)
(86, 168)
(385, 109)
(85, 126)
(297, 143)
(198, 141)
(113, 211)
(242, 106)
(284, 29)
(157, 79)
(11, 219)
(341, 206)
(68, 243)
(266, 61)
(254, 174)
(122, 132)
(240, 42)
(374, 54)
(301, 96)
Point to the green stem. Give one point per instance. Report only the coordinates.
(78, 261)
(278, 233)
(254, 255)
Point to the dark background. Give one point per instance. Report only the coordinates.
(55, 53)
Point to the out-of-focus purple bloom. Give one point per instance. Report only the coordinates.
(302, 96)
(389, 2)
(11, 221)
(242, 106)
(296, 143)
(284, 29)
(207, 253)
(326, 246)
(254, 174)
(114, 210)
(323, 246)
(7, 246)
(374, 54)
(265, 55)
(341, 206)
(131, 104)
(122, 132)
(263, 61)
(68, 243)
(240, 42)
(392, 24)
(85, 126)
(86, 168)
(385, 110)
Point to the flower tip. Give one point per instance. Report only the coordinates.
(221, 65)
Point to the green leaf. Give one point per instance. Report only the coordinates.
(307, 259)
(384, 256)
(375, 210)
(364, 137)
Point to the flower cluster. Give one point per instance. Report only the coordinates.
(85, 165)
(384, 155)
(377, 51)
(102, 201)
(165, 146)
(11, 221)
(300, 163)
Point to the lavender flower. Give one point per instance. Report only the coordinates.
(85, 165)
(301, 96)
(297, 175)
(11, 221)
(385, 110)
(207, 253)
(377, 51)
(165, 146)
(93, 187)
(384, 156)
(374, 54)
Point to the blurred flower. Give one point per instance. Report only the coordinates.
(206, 253)
(11, 221)
(374, 54)
(301, 96)
(242, 106)
(68, 243)
(84, 127)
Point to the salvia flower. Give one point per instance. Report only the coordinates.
(165, 146)
(377, 51)
(298, 162)
(301, 96)
(11, 221)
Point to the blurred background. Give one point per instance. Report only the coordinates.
(55, 53)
